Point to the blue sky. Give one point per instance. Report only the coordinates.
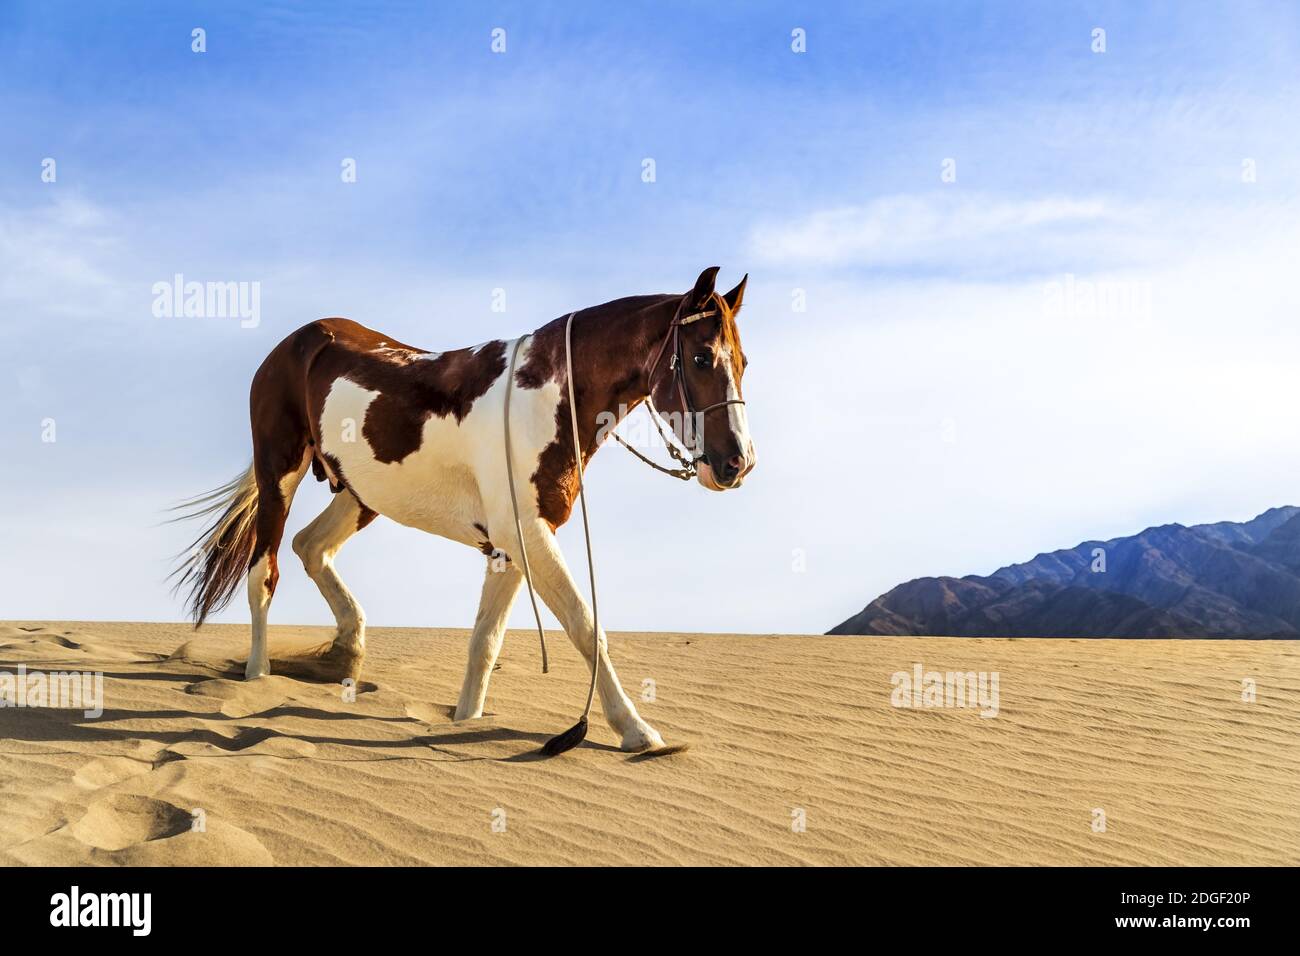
(929, 412)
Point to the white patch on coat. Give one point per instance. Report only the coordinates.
(403, 355)
(438, 487)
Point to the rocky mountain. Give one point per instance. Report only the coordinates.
(1228, 579)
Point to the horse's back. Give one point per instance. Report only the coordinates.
(350, 336)
(294, 378)
(389, 421)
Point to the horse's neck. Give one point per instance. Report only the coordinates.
(610, 365)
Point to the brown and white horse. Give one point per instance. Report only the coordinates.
(417, 436)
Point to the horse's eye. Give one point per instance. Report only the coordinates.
(702, 360)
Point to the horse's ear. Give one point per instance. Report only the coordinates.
(736, 295)
(704, 286)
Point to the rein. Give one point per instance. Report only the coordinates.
(578, 732)
(690, 467)
(514, 503)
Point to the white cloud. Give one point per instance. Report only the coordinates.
(943, 229)
(949, 426)
(56, 257)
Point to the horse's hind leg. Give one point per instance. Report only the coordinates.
(277, 480)
(316, 545)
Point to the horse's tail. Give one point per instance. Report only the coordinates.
(214, 565)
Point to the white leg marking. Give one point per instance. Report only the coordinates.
(316, 545)
(499, 591)
(259, 600)
(557, 588)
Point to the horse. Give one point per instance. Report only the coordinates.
(416, 436)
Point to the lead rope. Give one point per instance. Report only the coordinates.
(514, 503)
(578, 732)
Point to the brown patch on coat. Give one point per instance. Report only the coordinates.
(413, 384)
(366, 516)
(281, 435)
(317, 467)
(730, 335)
(289, 391)
(611, 344)
(486, 545)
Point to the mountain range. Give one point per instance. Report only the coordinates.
(1228, 579)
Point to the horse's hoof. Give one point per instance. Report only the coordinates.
(654, 752)
(346, 661)
(640, 739)
(253, 673)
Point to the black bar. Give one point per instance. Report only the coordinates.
(329, 905)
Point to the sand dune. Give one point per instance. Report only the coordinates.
(1155, 734)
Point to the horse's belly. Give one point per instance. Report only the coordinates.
(446, 502)
(433, 488)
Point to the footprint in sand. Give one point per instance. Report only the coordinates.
(238, 698)
(129, 829)
(36, 637)
(120, 820)
(428, 713)
(106, 771)
(100, 772)
(40, 638)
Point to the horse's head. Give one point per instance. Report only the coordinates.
(700, 382)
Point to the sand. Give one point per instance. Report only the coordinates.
(796, 754)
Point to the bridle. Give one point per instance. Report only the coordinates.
(673, 342)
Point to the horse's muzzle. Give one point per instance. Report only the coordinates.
(729, 476)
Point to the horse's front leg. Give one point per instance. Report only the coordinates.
(499, 589)
(557, 588)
